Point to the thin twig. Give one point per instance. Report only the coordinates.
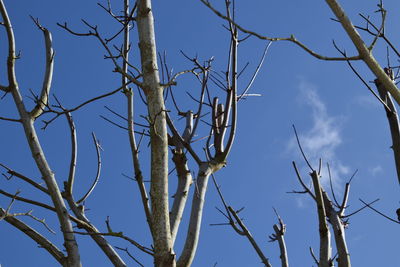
(130, 255)
(331, 186)
(301, 149)
(256, 71)
(35, 236)
(377, 211)
(361, 78)
(360, 209)
(96, 180)
(307, 190)
(292, 38)
(24, 178)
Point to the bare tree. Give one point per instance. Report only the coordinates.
(160, 130)
(332, 212)
(213, 121)
(385, 77)
(329, 213)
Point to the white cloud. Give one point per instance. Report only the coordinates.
(300, 202)
(322, 139)
(376, 170)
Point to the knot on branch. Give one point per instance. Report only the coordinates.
(389, 72)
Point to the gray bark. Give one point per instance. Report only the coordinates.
(338, 232)
(193, 234)
(279, 233)
(325, 250)
(164, 255)
(184, 177)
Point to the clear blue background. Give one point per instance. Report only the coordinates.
(337, 118)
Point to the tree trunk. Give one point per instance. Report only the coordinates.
(164, 255)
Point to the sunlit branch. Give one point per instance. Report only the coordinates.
(48, 75)
(255, 72)
(324, 234)
(280, 230)
(381, 35)
(196, 213)
(345, 199)
(184, 178)
(231, 99)
(363, 50)
(338, 227)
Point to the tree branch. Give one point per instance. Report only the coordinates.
(363, 50)
(292, 38)
(279, 236)
(24, 178)
(247, 233)
(73, 257)
(193, 233)
(307, 190)
(35, 236)
(184, 177)
(231, 99)
(377, 211)
(48, 75)
(325, 246)
(12, 80)
(161, 230)
(338, 231)
(74, 155)
(96, 180)
(392, 118)
(135, 158)
(9, 119)
(79, 210)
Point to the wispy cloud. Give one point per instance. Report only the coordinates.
(376, 170)
(324, 136)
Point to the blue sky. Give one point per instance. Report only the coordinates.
(335, 115)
